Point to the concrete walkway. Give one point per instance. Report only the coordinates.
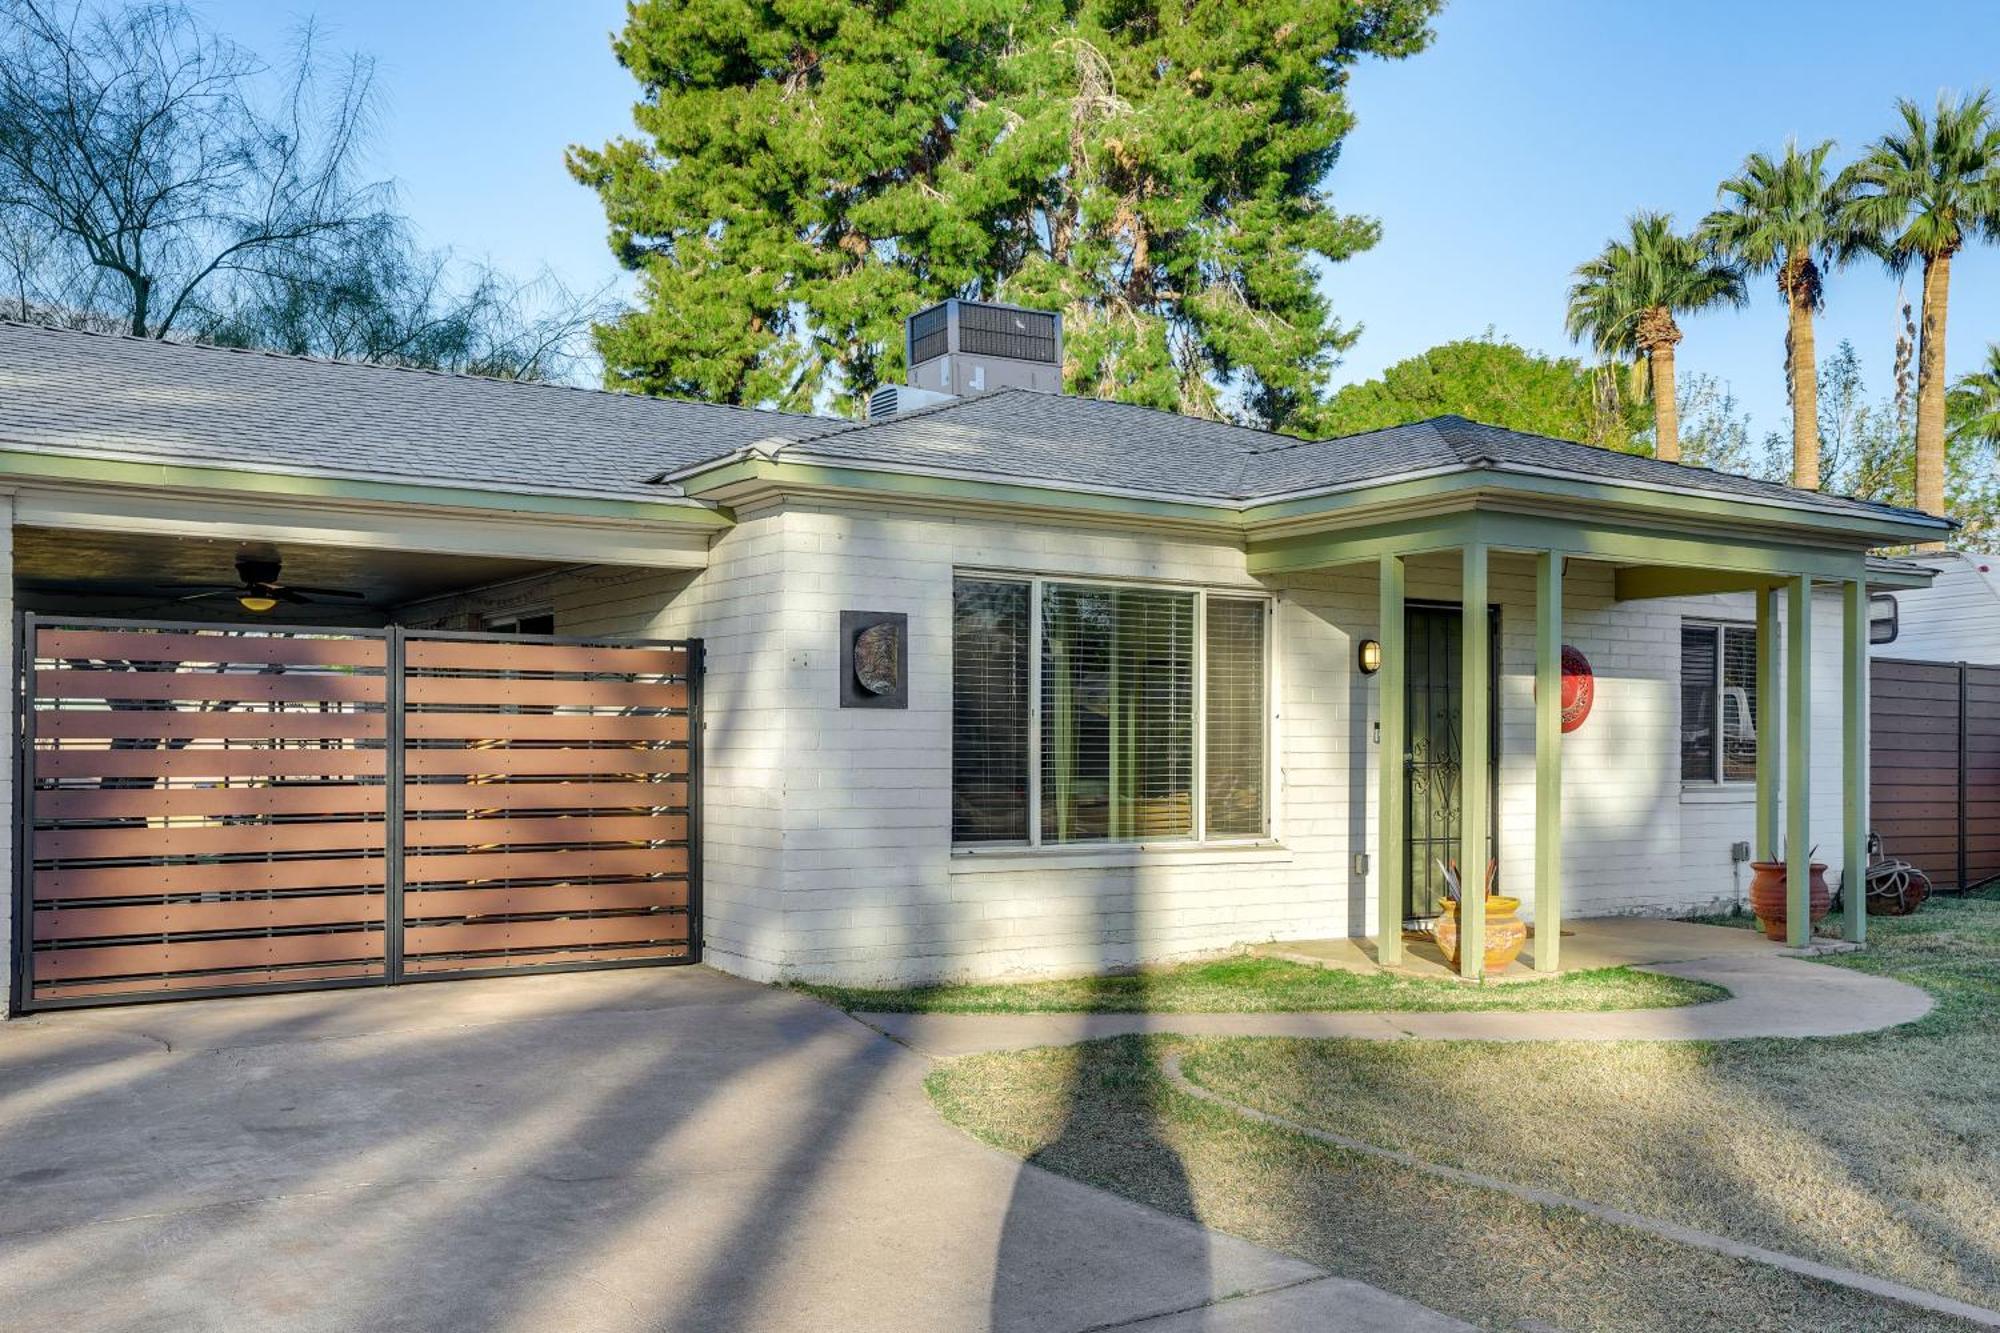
(648, 1149)
(1770, 996)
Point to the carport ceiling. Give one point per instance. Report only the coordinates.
(156, 571)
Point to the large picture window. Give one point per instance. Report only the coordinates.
(1145, 710)
(1718, 703)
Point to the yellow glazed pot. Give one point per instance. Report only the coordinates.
(1505, 932)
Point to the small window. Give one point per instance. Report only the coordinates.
(1718, 703)
(526, 624)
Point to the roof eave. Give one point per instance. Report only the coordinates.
(93, 468)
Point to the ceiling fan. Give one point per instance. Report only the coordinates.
(259, 590)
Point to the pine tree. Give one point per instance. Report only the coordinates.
(808, 173)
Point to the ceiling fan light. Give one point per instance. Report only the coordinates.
(257, 602)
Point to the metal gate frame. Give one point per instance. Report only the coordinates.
(20, 999)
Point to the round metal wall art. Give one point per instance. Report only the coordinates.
(1579, 689)
(875, 658)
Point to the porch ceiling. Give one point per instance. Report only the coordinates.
(145, 574)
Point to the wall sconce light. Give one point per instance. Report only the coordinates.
(1370, 656)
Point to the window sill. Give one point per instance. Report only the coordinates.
(1711, 793)
(994, 860)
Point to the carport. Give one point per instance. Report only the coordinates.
(251, 766)
(294, 702)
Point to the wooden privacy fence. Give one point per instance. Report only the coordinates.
(208, 810)
(1934, 744)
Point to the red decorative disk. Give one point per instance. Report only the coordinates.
(1579, 689)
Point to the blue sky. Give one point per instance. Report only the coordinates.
(1496, 161)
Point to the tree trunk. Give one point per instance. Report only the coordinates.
(142, 297)
(1802, 364)
(1666, 413)
(1930, 389)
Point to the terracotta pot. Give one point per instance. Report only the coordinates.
(1767, 896)
(1505, 932)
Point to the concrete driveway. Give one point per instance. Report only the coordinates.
(653, 1149)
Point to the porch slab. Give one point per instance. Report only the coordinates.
(1592, 942)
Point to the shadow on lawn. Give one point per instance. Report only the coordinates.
(1015, 1305)
(1868, 1152)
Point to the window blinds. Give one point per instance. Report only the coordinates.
(1233, 680)
(1698, 673)
(1117, 713)
(989, 711)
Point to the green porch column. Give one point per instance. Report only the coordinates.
(1475, 754)
(1548, 761)
(1854, 759)
(1392, 841)
(1798, 761)
(1768, 755)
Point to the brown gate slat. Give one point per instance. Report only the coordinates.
(568, 829)
(79, 683)
(290, 648)
(214, 810)
(435, 797)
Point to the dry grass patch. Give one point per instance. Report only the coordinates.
(1873, 1152)
(1103, 1113)
(1273, 985)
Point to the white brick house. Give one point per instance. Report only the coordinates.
(1135, 723)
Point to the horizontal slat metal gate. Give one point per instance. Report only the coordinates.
(208, 810)
(1934, 742)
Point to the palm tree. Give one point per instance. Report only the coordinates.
(1780, 215)
(1974, 402)
(1624, 302)
(1921, 193)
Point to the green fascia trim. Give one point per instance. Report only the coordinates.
(1896, 579)
(1612, 541)
(1678, 504)
(1640, 582)
(119, 472)
(777, 474)
(780, 474)
(730, 480)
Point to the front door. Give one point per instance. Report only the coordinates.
(1435, 638)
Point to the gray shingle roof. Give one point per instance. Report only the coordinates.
(1023, 436)
(131, 397)
(108, 394)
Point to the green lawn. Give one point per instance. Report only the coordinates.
(1877, 1152)
(1272, 985)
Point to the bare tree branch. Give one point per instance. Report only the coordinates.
(145, 144)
